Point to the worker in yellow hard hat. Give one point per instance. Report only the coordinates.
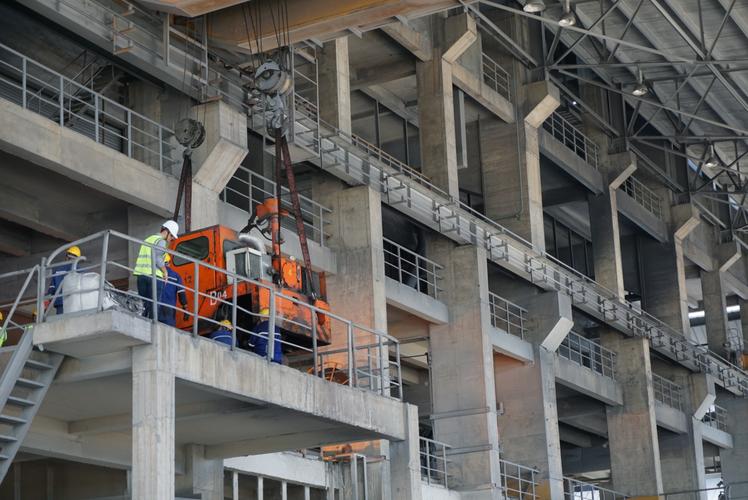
(223, 333)
(260, 337)
(72, 254)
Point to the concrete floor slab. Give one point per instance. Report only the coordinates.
(588, 382)
(419, 304)
(671, 419)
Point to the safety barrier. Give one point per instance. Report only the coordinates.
(506, 315)
(247, 189)
(589, 354)
(496, 77)
(434, 462)
(72, 105)
(667, 392)
(411, 269)
(571, 137)
(716, 417)
(518, 482)
(642, 195)
(356, 355)
(579, 490)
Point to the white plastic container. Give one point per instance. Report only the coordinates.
(81, 292)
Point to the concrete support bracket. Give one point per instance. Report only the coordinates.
(542, 100)
(550, 319)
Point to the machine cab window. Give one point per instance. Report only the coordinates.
(245, 261)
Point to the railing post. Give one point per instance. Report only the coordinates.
(23, 85)
(444, 465)
(96, 118)
(195, 300)
(399, 371)
(41, 291)
(129, 134)
(271, 326)
(314, 340)
(160, 148)
(428, 463)
(102, 278)
(154, 288)
(351, 369)
(381, 365)
(234, 293)
(62, 101)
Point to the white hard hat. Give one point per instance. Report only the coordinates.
(172, 227)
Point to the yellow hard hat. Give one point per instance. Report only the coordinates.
(264, 311)
(226, 323)
(1, 315)
(167, 258)
(74, 250)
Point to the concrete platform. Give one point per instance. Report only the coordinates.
(588, 382)
(715, 436)
(416, 303)
(511, 345)
(232, 402)
(569, 162)
(671, 419)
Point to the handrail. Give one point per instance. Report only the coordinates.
(667, 392)
(434, 463)
(644, 196)
(579, 490)
(716, 417)
(411, 269)
(507, 315)
(496, 77)
(98, 117)
(259, 188)
(518, 481)
(370, 360)
(589, 354)
(573, 138)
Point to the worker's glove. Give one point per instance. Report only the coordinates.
(46, 304)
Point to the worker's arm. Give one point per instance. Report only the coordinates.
(158, 256)
(182, 296)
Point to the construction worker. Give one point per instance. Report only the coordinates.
(3, 331)
(260, 337)
(173, 289)
(58, 275)
(150, 256)
(223, 333)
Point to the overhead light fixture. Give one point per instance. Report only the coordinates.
(640, 89)
(712, 161)
(534, 6)
(567, 19)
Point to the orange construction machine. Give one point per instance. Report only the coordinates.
(244, 254)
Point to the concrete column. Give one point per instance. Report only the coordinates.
(528, 426)
(682, 455)
(450, 37)
(715, 311)
(405, 462)
(735, 460)
(203, 477)
(335, 84)
(152, 422)
(606, 235)
(632, 428)
(463, 393)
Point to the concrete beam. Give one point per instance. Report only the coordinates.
(542, 100)
(334, 84)
(225, 144)
(26, 210)
(550, 319)
(410, 39)
(460, 33)
(370, 76)
(13, 241)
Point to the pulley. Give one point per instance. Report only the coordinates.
(189, 133)
(271, 79)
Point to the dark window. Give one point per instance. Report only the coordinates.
(197, 248)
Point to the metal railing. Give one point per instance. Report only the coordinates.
(589, 354)
(667, 392)
(518, 482)
(716, 417)
(434, 462)
(642, 195)
(72, 105)
(496, 77)
(247, 189)
(579, 490)
(414, 195)
(571, 137)
(355, 355)
(411, 269)
(506, 315)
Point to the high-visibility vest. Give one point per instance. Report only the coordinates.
(143, 263)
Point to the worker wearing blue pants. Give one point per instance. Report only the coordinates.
(151, 256)
(260, 338)
(223, 334)
(58, 275)
(173, 289)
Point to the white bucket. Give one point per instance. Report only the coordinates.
(81, 292)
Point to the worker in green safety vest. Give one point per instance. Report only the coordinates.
(151, 257)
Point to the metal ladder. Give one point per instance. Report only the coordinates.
(359, 491)
(25, 380)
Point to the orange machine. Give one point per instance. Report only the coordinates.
(224, 248)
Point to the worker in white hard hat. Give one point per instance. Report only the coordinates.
(72, 255)
(151, 256)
